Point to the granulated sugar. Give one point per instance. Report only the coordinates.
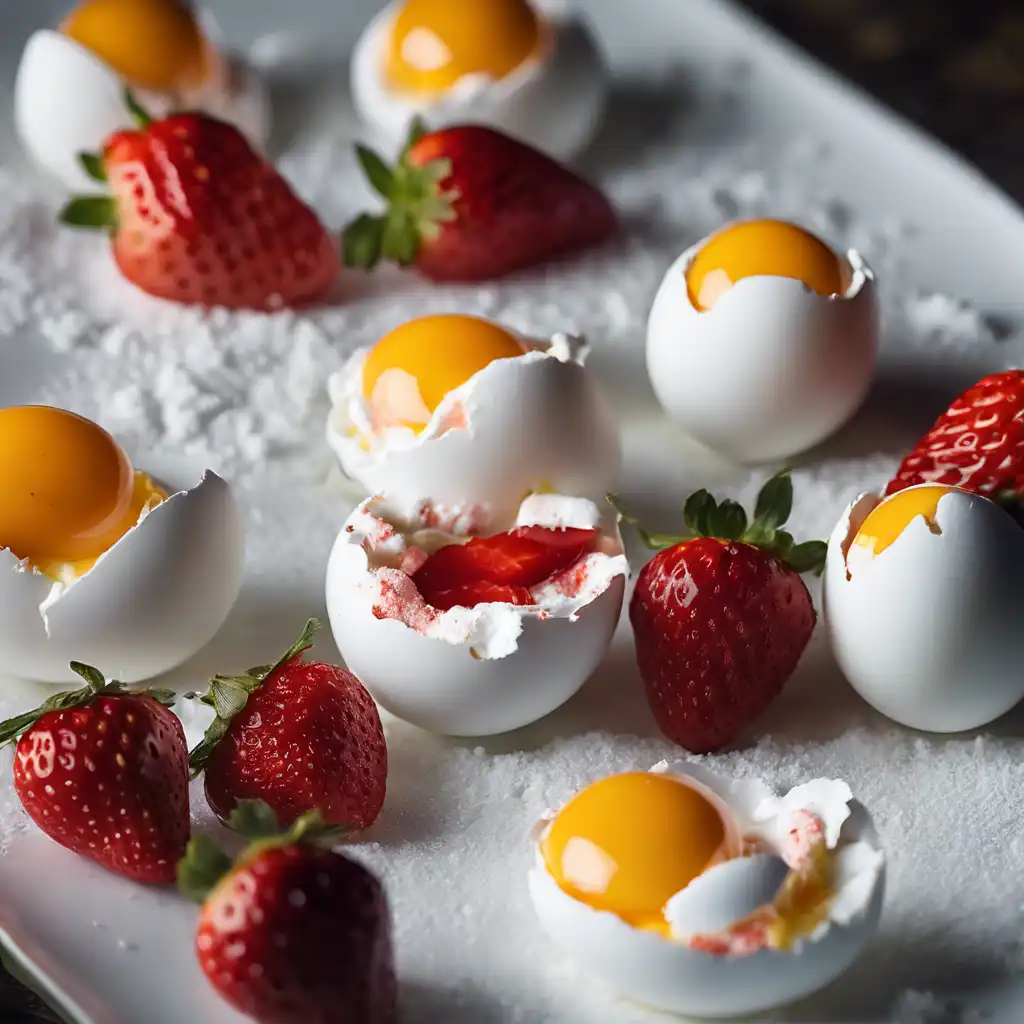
(247, 393)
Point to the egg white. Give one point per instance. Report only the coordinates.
(554, 101)
(772, 369)
(151, 601)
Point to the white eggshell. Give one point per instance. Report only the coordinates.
(67, 101)
(150, 603)
(725, 894)
(771, 369)
(928, 631)
(668, 975)
(520, 665)
(539, 420)
(554, 102)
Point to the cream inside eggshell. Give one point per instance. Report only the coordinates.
(553, 101)
(469, 671)
(150, 602)
(780, 367)
(715, 963)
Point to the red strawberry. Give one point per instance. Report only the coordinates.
(292, 932)
(470, 204)
(500, 568)
(976, 444)
(104, 772)
(300, 736)
(197, 216)
(721, 617)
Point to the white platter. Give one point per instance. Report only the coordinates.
(705, 79)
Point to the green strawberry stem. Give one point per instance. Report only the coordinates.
(727, 520)
(205, 863)
(96, 686)
(417, 207)
(100, 212)
(228, 696)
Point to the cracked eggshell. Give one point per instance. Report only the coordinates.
(153, 600)
(928, 631)
(667, 974)
(772, 369)
(553, 102)
(68, 101)
(471, 671)
(539, 420)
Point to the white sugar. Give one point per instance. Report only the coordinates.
(248, 392)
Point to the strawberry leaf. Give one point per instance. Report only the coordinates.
(140, 115)
(90, 212)
(417, 129)
(255, 819)
(380, 176)
(363, 242)
(92, 164)
(775, 502)
(697, 512)
(728, 521)
(228, 695)
(400, 241)
(808, 557)
(92, 676)
(654, 541)
(202, 867)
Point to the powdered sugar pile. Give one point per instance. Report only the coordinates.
(249, 393)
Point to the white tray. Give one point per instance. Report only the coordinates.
(108, 952)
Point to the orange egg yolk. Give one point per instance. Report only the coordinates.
(409, 371)
(763, 248)
(69, 490)
(629, 843)
(434, 43)
(154, 44)
(887, 520)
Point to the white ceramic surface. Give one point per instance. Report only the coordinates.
(968, 244)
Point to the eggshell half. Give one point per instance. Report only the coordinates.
(771, 369)
(524, 664)
(554, 102)
(928, 631)
(669, 975)
(152, 601)
(538, 421)
(67, 101)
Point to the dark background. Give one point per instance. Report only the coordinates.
(956, 67)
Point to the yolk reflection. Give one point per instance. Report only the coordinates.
(763, 248)
(69, 489)
(434, 43)
(154, 44)
(408, 372)
(630, 842)
(887, 520)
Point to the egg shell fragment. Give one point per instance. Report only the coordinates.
(536, 421)
(478, 671)
(68, 101)
(772, 368)
(553, 102)
(151, 601)
(668, 974)
(928, 631)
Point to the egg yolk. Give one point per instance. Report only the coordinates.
(803, 902)
(762, 248)
(887, 520)
(409, 371)
(154, 44)
(629, 843)
(434, 43)
(69, 490)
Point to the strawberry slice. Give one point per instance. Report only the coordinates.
(500, 568)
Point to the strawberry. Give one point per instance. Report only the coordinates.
(976, 444)
(292, 932)
(470, 204)
(197, 216)
(104, 772)
(721, 616)
(500, 568)
(300, 736)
